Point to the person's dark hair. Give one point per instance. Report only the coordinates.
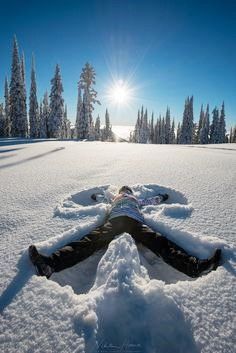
(126, 188)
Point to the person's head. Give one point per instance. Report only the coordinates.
(126, 190)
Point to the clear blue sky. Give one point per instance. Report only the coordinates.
(167, 50)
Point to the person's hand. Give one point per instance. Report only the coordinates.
(165, 197)
(94, 197)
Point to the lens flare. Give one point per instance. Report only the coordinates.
(119, 93)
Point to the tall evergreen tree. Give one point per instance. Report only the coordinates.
(144, 130)
(18, 115)
(42, 123)
(152, 129)
(7, 110)
(195, 139)
(222, 129)
(163, 131)
(203, 135)
(63, 125)
(56, 106)
(214, 128)
(207, 124)
(200, 124)
(79, 124)
(45, 114)
(136, 136)
(107, 128)
(172, 132)
(24, 111)
(155, 138)
(66, 128)
(178, 134)
(84, 113)
(158, 130)
(33, 105)
(167, 126)
(98, 129)
(186, 135)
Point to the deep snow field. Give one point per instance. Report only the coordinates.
(124, 299)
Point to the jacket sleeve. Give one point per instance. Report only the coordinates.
(104, 197)
(156, 200)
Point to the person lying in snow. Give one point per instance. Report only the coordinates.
(124, 216)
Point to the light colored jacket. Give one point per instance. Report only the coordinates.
(128, 205)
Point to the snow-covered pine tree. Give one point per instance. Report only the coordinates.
(155, 132)
(108, 129)
(163, 131)
(136, 135)
(63, 125)
(86, 115)
(141, 129)
(24, 88)
(98, 129)
(18, 115)
(42, 123)
(222, 129)
(195, 139)
(159, 137)
(66, 129)
(207, 123)
(200, 124)
(79, 128)
(144, 130)
(167, 126)
(146, 127)
(178, 134)
(45, 114)
(152, 129)
(56, 106)
(86, 83)
(158, 130)
(141, 115)
(33, 105)
(7, 110)
(84, 132)
(214, 128)
(172, 132)
(186, 135)
(204, 132)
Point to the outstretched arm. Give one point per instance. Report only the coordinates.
(103, 196)
(156, 200)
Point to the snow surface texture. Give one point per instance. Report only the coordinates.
(124, 298)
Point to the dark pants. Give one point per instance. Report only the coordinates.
(100, 238)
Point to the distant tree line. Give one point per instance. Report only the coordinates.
(163, 131)
(48, 118)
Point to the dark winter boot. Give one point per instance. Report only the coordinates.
(40, 262)
(212, 263)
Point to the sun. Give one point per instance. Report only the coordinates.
(119, 93)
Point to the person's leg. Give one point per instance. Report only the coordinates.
(72, 253)
(173, 254)
(98, 239)
(77, 251)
